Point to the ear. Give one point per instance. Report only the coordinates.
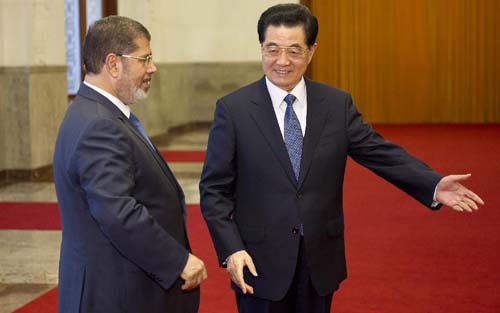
(113, 65)
(312, 49)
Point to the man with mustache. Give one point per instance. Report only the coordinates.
(124, 242)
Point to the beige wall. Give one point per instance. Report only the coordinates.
(203, 49)
(182, 93)
(31, 32)
(32, 102)
(200, 31)
(32, 81)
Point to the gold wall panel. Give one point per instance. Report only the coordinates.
(412, 61)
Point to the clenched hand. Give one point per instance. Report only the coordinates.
(194, 273)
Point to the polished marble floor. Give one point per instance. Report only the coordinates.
(29, 258)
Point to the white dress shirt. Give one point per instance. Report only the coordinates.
(119, 104)
(299, 106)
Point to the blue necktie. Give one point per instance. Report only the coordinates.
(139, 127)
(293, 135)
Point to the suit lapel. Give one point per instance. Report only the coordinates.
(88, 92)
(264, 116)
(317, 112)
(156, 154)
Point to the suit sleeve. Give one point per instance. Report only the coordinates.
(106, 171)
(389, 160)
(217, 185)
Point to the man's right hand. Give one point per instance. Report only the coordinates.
(235, 264)
(194, 273)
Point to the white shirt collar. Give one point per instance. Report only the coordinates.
(279, 106)
(119, 104)
(277, 94)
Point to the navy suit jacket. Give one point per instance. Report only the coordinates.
(251, 200)
(124, 240)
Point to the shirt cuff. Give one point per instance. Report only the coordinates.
(435, 203)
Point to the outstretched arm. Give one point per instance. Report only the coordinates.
(453, 194)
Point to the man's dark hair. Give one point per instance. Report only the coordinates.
(112, 34)
(289, 15)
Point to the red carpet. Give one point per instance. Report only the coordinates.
(183, 156)
(215, 292)
(43, 304)
(29, 215)
(402, 258)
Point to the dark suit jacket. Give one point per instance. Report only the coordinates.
(124, 240)
(250, 199)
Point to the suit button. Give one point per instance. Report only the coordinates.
(295, 230)
(299, 195)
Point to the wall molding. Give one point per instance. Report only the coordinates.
(40, 174)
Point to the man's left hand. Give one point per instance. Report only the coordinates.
(453, 194)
